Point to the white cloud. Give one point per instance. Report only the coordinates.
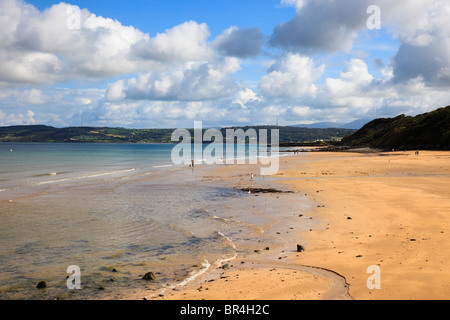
(18, 67)
(115, 91)
(185, 42)
(12, 119)
(37, 97)
(245, 96)
(352, 81)
(298, 4)
(422, 27)
(193, 81)
(292, 77)
(178, 75)
(145, 113)
(416, 22)
(301, 111)
(31, 96)
(38, 47)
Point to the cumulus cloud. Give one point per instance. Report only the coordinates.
(424, 31)
(355, 91)
(431, 63)
(240, 42)
(169, 114)
(422, 27)
(246, 96)
(116, 91)
(321, 26)
(292, 77)
(170, 78)
(12, 119)
(353, 80)
(193, 81)
(37, 97)
(187, 41)
(417, 22)
(27, 97)
(40, 48)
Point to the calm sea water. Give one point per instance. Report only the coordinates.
(117, 211)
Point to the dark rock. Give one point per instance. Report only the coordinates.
(41, 285)
(149, 276)
(264, 190)
(300, 248)
(226, 266)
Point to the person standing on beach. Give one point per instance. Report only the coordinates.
(251, 182)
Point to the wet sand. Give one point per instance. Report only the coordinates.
(389, 210)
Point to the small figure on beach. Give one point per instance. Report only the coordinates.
(417, 152)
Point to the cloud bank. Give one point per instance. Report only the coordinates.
(323, 64)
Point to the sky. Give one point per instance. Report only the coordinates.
(168, 63)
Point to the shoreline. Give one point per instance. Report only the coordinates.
(383, 209)
(266, 267)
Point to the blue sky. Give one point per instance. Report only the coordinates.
(154, 16)
(154, 63)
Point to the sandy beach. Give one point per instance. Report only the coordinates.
(388, 210)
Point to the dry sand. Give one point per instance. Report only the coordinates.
(390, 210)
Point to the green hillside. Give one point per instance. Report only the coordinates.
(426, 131)
(41, 133)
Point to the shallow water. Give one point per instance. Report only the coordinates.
(98, 210)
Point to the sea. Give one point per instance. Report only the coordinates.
(117, 212)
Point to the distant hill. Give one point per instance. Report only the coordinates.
(426, 131)
(41, 133)
(357, 124)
